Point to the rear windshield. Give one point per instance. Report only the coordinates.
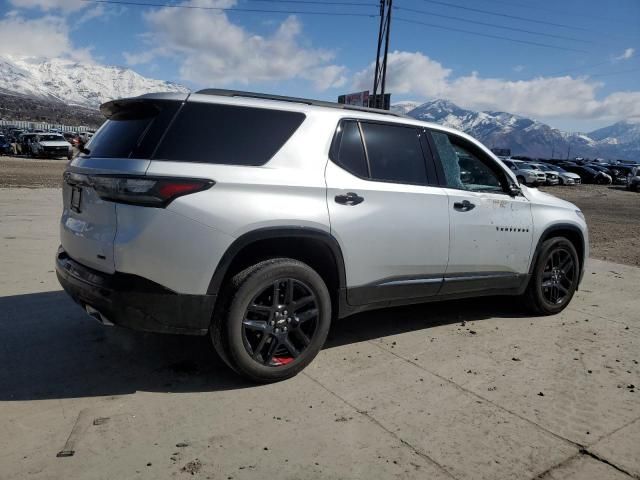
(227, 134)
(132, 130)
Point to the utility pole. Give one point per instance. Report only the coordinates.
(380, 75)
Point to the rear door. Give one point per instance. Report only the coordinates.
(122, 145)
(391, 221)
(491, 232)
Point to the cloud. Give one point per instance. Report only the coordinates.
(542, 97)
(47, 36)
(212, 50)
(519, 68)
(626, 55)
(51, 5)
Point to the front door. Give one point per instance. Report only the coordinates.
(392, 226)
(490, 231)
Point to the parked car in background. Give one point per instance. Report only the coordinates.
(5, 146)
(633, 180)
(588, 174)
(550, 175)
(50, 145)
(618, 174)
(524, 173)
(564, 177)
(24, 143)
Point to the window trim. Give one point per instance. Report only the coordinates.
(431, 174)
(489, 162)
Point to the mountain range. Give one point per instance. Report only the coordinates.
(524, 136)
(62, 90)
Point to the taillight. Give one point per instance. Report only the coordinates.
(145, 191)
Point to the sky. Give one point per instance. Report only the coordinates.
(574, 64)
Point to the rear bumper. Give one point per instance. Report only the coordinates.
(134, 302)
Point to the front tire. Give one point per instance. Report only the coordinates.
(555, 277)
(273, 320)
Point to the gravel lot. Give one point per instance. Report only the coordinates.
(612, 212)
(459, 390)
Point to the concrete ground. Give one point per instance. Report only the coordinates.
(465, 390)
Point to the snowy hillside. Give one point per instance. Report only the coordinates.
(83, 84)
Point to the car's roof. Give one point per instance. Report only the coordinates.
(258, 100)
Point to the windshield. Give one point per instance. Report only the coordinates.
(51, 138)
(530, 166)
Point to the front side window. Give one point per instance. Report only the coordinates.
(463, 167)
(395, 154)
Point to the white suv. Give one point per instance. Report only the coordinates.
(259, 220)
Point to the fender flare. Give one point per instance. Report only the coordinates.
(547, 233)
(269, 233)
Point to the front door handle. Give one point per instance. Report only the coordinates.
(351, 198)
(464, 206)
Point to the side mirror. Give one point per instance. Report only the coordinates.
(514, 190)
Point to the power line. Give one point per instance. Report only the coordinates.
(505, 15)
(488, 35)
(606, 62)
(227, 9)
(493, 25)
(320, 2)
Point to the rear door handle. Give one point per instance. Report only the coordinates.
(351, 198)
(464, 206)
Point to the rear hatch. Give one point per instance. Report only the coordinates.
(122, 146)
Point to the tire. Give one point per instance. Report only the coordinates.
(521, 180)
(561, 182)
(539, 298)
(268, 354)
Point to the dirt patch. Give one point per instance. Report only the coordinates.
(613, 216)
(31, 173)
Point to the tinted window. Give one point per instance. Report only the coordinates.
(227, 134)
(132, 130)
(463, 167)
(395, 153)
(351, 154)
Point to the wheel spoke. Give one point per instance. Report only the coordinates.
(260, 325)
(271, 350)
(565, 263)
(257, 351)
(289, 346)
(562, 289)
(302, 302)
(546, 275)
(303, 337)
(308, 315)
(254, 307)
(288, 293)
(547, 284)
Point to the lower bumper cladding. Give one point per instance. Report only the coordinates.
(133, 302)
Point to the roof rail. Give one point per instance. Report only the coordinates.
(319, 103)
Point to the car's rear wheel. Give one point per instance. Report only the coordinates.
(273, 320)
(555, 277)
(521, 180)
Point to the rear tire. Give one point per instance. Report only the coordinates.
(273, 319)
(555, 277)
(521, 180)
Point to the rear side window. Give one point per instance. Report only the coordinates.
(351, 153)
(227, 134)
(395, 153)
(132, 129)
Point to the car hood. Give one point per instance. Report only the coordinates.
(568, 175)
(541, 198)
(55, 143)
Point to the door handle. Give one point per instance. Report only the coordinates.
(464, 206)
(351, 198)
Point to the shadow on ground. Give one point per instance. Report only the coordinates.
(52, 349)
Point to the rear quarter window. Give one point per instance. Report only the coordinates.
(227, 134)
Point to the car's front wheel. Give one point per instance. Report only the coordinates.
(273, 319)
(555, 277)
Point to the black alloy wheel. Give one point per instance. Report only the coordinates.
(280, 322)
(554, 277)
(558, 276)
(272, 319)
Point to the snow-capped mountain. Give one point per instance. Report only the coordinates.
(74, 82)
(404, 107)
(530, 137)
